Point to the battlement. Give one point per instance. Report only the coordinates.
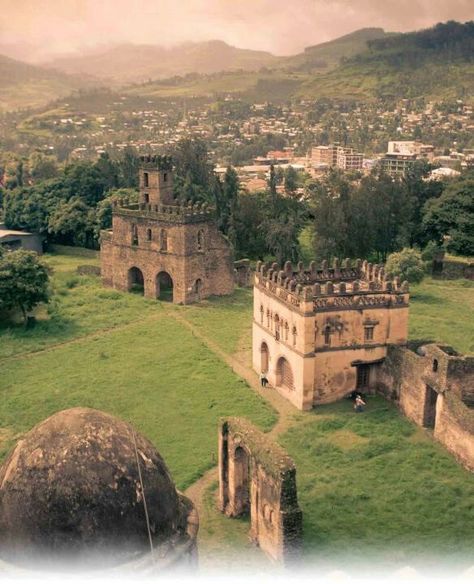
(190, 213)
(156, 162)
(347, 286)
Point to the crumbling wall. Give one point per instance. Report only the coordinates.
(411, 379)
(256, 476)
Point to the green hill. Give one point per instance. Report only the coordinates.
(137, 63)
(436, 63)
(328, 55)
(26, 85)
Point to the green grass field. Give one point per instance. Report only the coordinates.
(125, 355)
(375, 481)
(377, 484)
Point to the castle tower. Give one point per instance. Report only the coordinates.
(321, 332)
(156, 180)
(163, 249)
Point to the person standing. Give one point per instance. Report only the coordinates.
(359, 404)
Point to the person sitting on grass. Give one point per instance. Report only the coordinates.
(359, 404)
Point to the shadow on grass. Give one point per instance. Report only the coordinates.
(426, 298)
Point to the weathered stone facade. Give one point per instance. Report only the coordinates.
(170, 251)
(256, 476)
(434, 387)
(320, 333)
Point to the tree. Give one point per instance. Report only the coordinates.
(42, 166)
(451, 216)
(407, 264)
(227, 203)
(72, 223)
(194, 174)
(23, 281)
(291, 181)
(103, 214)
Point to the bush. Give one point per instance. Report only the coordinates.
(407, 264)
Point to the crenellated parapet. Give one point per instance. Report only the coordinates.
(188, 213)
(156, 162)
(342, 286)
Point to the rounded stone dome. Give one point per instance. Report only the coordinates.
(79, 486)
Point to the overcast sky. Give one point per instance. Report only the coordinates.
(48, 27)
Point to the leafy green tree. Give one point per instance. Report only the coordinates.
(291, 181)
(103, 214)
(272, 183)
(42, 166)
(194, 174)
(72, 223)
(108, 171)
(128, 165)
(23, 281)
(451, 217)
(407, 264)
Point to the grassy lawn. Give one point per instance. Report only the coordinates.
(443, 311)
(226, 319)
(375, 482)
(366, 482)
(129, 357)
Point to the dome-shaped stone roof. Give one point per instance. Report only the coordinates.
(71, 488)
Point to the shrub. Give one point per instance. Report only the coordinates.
(407, 264)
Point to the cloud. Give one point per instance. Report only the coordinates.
(280, 26)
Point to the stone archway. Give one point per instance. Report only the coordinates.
(164, 287)
(198, 289)
(264, 357)
(241, 481)
(284, 374)
(136, 281)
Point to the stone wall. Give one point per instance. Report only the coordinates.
(197, 271)
(257, 477)
(434, 388)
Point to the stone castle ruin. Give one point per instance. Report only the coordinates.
(321, 332)
(258, 478)
(434, 387)
(164, 249)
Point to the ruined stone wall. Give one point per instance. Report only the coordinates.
(256, 476)
(454, 428)
(196, 256)
(408, 378)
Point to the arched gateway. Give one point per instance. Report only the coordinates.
(136, 282)
(164, 287)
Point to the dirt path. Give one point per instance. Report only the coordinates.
(238, 362)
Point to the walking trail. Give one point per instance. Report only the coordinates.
(237, 362)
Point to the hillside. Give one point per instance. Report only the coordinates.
(328, 55)
(137, 63)
(26, 85)
(437, 63)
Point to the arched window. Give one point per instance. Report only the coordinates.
(146, 181)
(327, 335)
(277, 327)
(200, 240)
(294, 332)
(165, 177)
(146, 197)
(435, 365)
(268, 318)
(287, 328)
(148, 235)
(261, 313)
(163, 240)
(134, 235)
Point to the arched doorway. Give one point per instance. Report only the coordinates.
(284, 374)
(264, 357)
(241, 481)
(198, 289)
(164, 287)
(136, 282)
